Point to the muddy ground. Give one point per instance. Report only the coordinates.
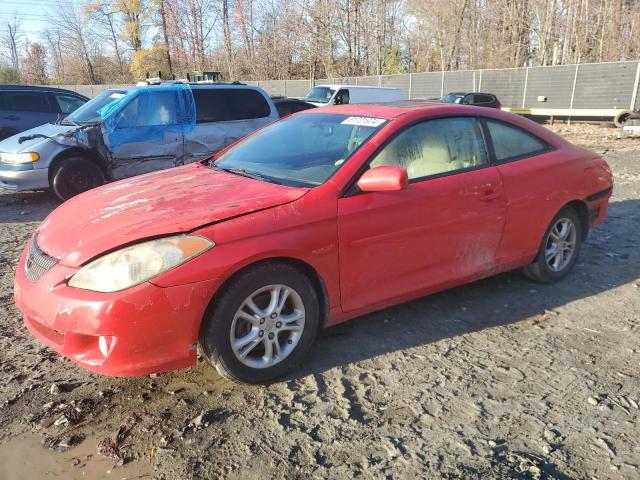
(503, 378)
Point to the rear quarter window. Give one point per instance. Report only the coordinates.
(511, 142)
(229, 104)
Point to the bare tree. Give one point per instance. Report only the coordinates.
(10, 42)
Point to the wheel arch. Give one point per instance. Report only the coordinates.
(307, 269)
(76, 152)
(583, 212)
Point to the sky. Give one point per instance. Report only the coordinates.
(32, 14)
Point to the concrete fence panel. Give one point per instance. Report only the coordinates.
(426, 85)
(398, 81)
(553, 83)
(297, 88)
(462, 81)
(508, 85)
(605, 85)
(369, 81)
(273, 87)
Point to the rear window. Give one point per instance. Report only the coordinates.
(482, 98)
(228, 104)
(25, 102)
(511, 142)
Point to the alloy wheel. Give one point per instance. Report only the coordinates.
(267, 326)
(561, 244)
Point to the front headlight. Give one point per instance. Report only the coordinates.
(26, 157)
(138, 263)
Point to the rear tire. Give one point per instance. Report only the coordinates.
(75, 175)
(267, 304)
(559, 249)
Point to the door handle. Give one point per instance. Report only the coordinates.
(490, 195)
(12, 117)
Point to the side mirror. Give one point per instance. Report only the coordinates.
(385, 178)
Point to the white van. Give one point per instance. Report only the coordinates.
(323, 95)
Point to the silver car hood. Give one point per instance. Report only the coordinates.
(11, 145)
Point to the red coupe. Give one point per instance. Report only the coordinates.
(318, 218)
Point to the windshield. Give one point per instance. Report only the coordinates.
(452, 98)
(88, 113)
(302, 150)
(320, 94)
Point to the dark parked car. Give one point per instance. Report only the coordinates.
(287, 106)
(473, 98)
(25, 107)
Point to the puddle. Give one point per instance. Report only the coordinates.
(24, 458)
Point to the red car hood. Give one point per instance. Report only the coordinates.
(160, 203)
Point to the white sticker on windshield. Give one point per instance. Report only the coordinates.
(363, 121)
(116, 95)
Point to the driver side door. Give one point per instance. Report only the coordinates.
(442, 229)
(143, 139)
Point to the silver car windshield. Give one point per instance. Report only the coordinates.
(88, 113)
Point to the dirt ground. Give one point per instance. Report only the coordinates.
(503, 378)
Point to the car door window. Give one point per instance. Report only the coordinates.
(29, 102)
(511, 142)
(227, 104)
(342, 97)
(136, 113)
(435, 147)
(68, 103)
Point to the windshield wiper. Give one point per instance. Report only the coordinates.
(246, 173)
(67, 121)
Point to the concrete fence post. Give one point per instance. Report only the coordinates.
(524, 90)
(636, 84)
(379, 80)
(480, 82)
(573, 92)
(442, 85)
(410, 81)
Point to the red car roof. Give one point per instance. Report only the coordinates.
(420, 108)
(380, 110)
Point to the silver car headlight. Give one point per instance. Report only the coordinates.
(25, 157)
(138, 263)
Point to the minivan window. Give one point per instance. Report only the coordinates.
(26, 102)
(228, 104)
(320, 94)
(301, 150)
(88, 113)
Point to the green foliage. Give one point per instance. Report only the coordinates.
(9, 75)
(392, 62)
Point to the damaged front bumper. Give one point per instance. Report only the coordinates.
(137, 331)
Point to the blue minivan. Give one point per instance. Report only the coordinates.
(130, 131)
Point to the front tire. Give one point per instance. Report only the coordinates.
(262, 325)
(75, 175)
(560, 247)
